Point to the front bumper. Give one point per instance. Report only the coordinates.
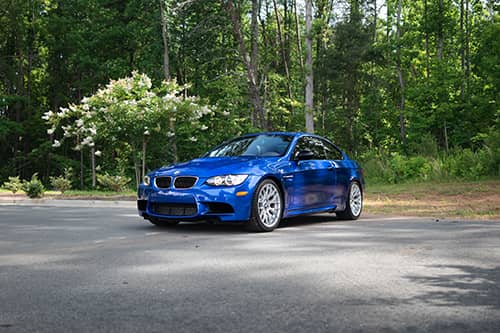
(199, 202)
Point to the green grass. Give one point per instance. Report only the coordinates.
(440, 188)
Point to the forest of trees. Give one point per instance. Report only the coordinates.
(384, 79)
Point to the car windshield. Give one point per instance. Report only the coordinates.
(259, 145)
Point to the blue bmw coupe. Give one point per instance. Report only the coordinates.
(257, 179)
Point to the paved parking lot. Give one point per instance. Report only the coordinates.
(103, 269)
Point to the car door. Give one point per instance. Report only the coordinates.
(310, 183)
(341, 171)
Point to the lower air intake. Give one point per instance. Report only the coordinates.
(171, 209)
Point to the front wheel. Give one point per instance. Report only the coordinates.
(354, 203)
(267, 207)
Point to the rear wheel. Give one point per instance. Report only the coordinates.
(163, 223)
(354, 203)
(267, 207)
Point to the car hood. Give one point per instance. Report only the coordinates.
(214, 166)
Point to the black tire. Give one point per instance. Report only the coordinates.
(350, 211)
(163, 223)
(256, 222)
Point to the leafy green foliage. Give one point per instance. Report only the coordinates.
(14, 184)
(462, 164)
(62, 183)
(115, 183)
(53, 53)
(34, 187)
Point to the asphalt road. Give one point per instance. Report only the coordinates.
(84, 269)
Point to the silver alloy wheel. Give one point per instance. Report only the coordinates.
(355, 199)
(269, 205)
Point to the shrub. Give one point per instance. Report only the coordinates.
(33, 188)
(425, 145)
(377, 169)
(406, 168)
(14, 184)
(62, 183)
(464, 164)
(491, 152)
(438, 170)
(113, 183)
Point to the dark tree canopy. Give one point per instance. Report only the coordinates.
(390, 76)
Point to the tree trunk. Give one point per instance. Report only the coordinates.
(427, 56)
(82, 183)
(144, 146)
(137, 172)
(250, 62)
(400, 75)
(440, 57)
(297, 34)
(309, 70)
(491, 9)
(19, 90)
(81, 170)
(286, 32)
(164, 34)
(166, 73)
(283, 55)
(92, 158)
(174, 140)
(440, 31)
(462, 47)
(445, 127)
(467, 47)
(388, 26)
(462, 37)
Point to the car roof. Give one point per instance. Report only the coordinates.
(278, 133)
(294, 134)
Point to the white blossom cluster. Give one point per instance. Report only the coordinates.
(128, 110)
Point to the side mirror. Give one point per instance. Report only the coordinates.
(304, 155)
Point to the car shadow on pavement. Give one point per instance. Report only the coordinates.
(230, 227)
(305, 220)
(198, 226)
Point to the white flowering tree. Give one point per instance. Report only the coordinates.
(120, 120)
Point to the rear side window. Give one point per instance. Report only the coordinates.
(322, 150)
(332, 153)
(312, 144)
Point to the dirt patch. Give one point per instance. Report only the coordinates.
(471, 201)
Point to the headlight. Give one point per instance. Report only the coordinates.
(226, 180)
(146, 180)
